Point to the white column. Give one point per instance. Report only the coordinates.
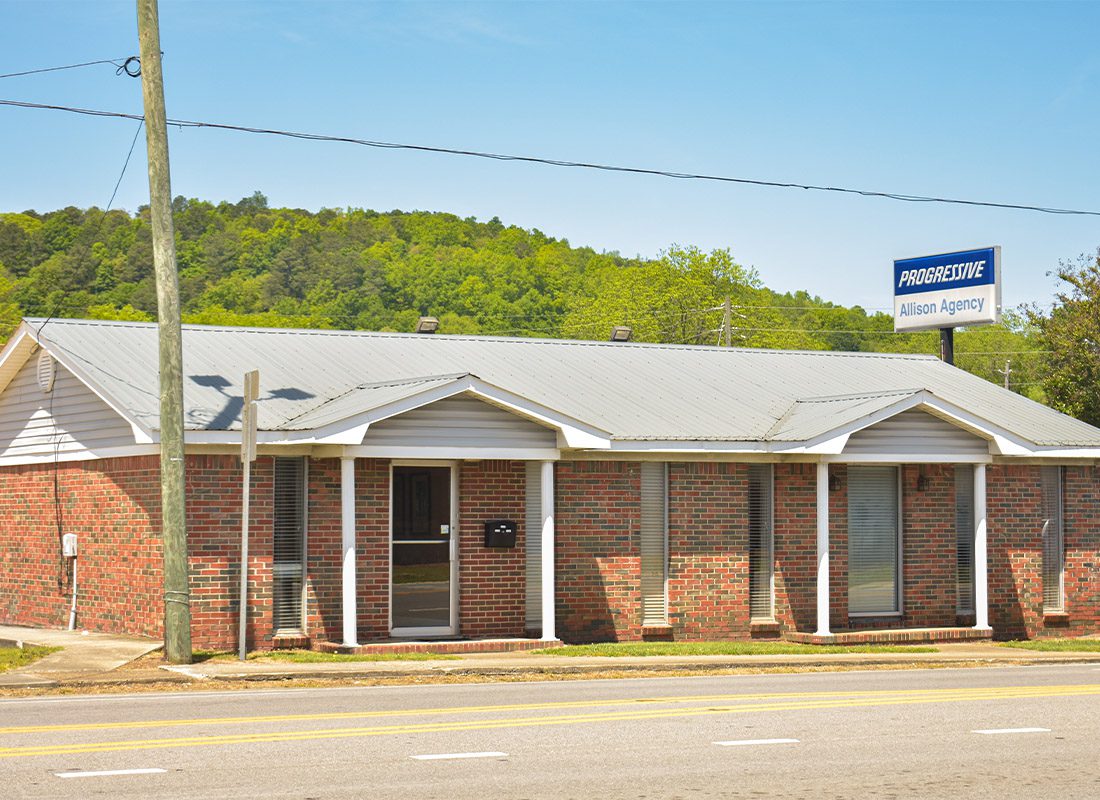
(347, 529)
(547, 506)
(981, 553)
(823, 549)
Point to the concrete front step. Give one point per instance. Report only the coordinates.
(894, 636)
(443, 647)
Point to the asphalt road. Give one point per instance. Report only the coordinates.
(837, 735)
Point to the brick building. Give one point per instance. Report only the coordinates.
(421, 486)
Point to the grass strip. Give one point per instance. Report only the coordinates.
(15, 657)
(1057, 645)
(613, 649)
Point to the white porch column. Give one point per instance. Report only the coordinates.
(347, 528)
(547, 506)
(823, 549)
(981, 553)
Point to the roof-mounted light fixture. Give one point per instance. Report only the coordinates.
(621, 333)
(427, 325)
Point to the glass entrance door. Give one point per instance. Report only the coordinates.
(421, 596)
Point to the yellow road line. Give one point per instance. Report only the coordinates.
(343, 715)
(915, 698)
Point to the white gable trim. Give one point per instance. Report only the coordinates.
(23, 344)
(573, 433)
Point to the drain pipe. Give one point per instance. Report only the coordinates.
(72, 608)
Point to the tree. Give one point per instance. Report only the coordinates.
(1071, 334)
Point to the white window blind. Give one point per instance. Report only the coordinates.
(761, 593)
(653, 544)
(533, 545)
(1053, 554)
(964, 539)
(289, 542)
(873, 540)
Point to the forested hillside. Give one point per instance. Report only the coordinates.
(247, 264)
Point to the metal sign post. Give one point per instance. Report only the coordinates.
(248, 455)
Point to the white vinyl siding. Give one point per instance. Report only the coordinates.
(533, 545)
(289, 543)
(460, 422)
(915, 432)
(964, 539)
(1053, 545)
(653, 543)
(69, 420)
(761, 547)
(873, 563)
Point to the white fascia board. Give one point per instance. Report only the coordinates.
(576, 434)
(82, 455)
(704, 447)
(455, 453)
(15, 353)
(352, 430)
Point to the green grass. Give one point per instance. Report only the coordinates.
(313, 657)
(14, 657)
(1057, 645)
(613, 649)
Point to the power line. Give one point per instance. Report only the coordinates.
(553, 162)
(125, 164)
(131, 65)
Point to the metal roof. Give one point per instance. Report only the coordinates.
(633, 391)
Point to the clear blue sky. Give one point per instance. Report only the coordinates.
(992, 101)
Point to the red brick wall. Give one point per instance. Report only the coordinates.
(795, 531)
(596, 539)
(492, 580)
(929, 546)
(324, 551)
(708, 544)
(113, 507)
(1016, 553)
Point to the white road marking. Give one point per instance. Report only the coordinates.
(741, 742)
(108, 772)
(441, 756)
(994, 731)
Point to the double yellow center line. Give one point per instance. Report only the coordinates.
(538, 714)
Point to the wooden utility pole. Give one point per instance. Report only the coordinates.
(727, 322)
(177, 596)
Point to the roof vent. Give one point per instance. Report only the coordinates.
(46, 372)
(621, 333)
(427, 325)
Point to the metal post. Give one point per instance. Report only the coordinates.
(177, 596)
(248, 455)
(947, 345)
(823, 549)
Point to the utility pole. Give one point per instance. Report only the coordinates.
(177, 596)
(1007, 370)
(727, 322)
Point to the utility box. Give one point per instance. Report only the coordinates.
(500, 533)
(68, 545)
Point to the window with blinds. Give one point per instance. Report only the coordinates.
(964, 539)
(653, 544)
(1053, 552)
(289, 543)
(761, 547)
(533, 545)
(873, 563)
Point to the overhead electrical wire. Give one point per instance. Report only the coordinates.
(554, 162)
(131, 65)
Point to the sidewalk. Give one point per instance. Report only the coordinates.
(94, 659)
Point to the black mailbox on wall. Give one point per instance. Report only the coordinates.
(500, 533)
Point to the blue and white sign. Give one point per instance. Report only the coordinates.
(948, 290)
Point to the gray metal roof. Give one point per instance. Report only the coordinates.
(632, 391)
